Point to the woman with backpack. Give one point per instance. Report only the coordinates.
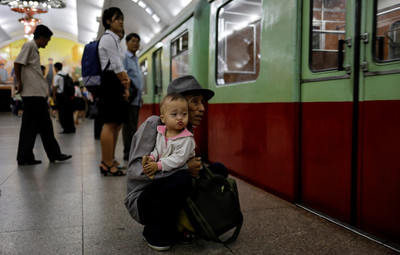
(114, 89)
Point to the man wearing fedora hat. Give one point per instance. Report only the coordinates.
(156, 203)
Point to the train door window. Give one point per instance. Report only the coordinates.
(144, 69)
(238, 49)
(180, 56)
(387, 30)
(328, 27)
(157, 65)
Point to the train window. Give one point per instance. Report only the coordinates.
(144, 69)
(180, 56)
(387, 30)
(328, 27)
(238, 49)
(157, 65)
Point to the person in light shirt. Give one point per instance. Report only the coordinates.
(32, 86)
(114, 89)
(131, 64)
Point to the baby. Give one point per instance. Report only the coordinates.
(175, 143)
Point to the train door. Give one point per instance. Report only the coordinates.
(350, 112)
(327, 107)
(378, 183)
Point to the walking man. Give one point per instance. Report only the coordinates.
(33, 88)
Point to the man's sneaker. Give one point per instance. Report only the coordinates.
(158, 245)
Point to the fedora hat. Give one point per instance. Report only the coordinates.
(188, 84)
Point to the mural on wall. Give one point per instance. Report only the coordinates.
(65, 51)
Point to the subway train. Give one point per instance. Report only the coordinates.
(307, 100)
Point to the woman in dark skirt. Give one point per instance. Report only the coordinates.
(114, 94)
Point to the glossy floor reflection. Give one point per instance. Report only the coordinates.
(69, 208)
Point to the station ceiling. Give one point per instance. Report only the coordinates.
(80, 20)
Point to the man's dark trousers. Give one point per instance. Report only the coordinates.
(36, 120)
(160, 205)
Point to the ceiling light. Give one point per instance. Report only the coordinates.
(142, 4)
(149, 10)
(156, 18)
(31, 8)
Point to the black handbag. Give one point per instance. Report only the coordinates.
(213, 207)
(93, 111)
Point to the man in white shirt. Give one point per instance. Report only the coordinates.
(32, 86)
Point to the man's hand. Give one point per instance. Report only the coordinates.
(194, 165)
(19, 88)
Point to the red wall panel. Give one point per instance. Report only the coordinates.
(258, 142)
(146, 111)
(326, 145)
(379, 176)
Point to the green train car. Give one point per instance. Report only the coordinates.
(307, 100)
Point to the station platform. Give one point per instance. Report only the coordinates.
(69, 208)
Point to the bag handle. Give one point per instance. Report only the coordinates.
(207, 174)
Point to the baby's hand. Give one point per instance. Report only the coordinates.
(150, 169)
(146, 159)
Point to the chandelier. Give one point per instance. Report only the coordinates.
(29, 9)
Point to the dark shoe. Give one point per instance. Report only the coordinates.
(62, 157)
(31, 162)
(186, 237)
(106, 170)
(158, 245)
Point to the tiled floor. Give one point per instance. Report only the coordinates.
(68, 208)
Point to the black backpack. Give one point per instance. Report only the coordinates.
(213, 207)
(69, 88)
